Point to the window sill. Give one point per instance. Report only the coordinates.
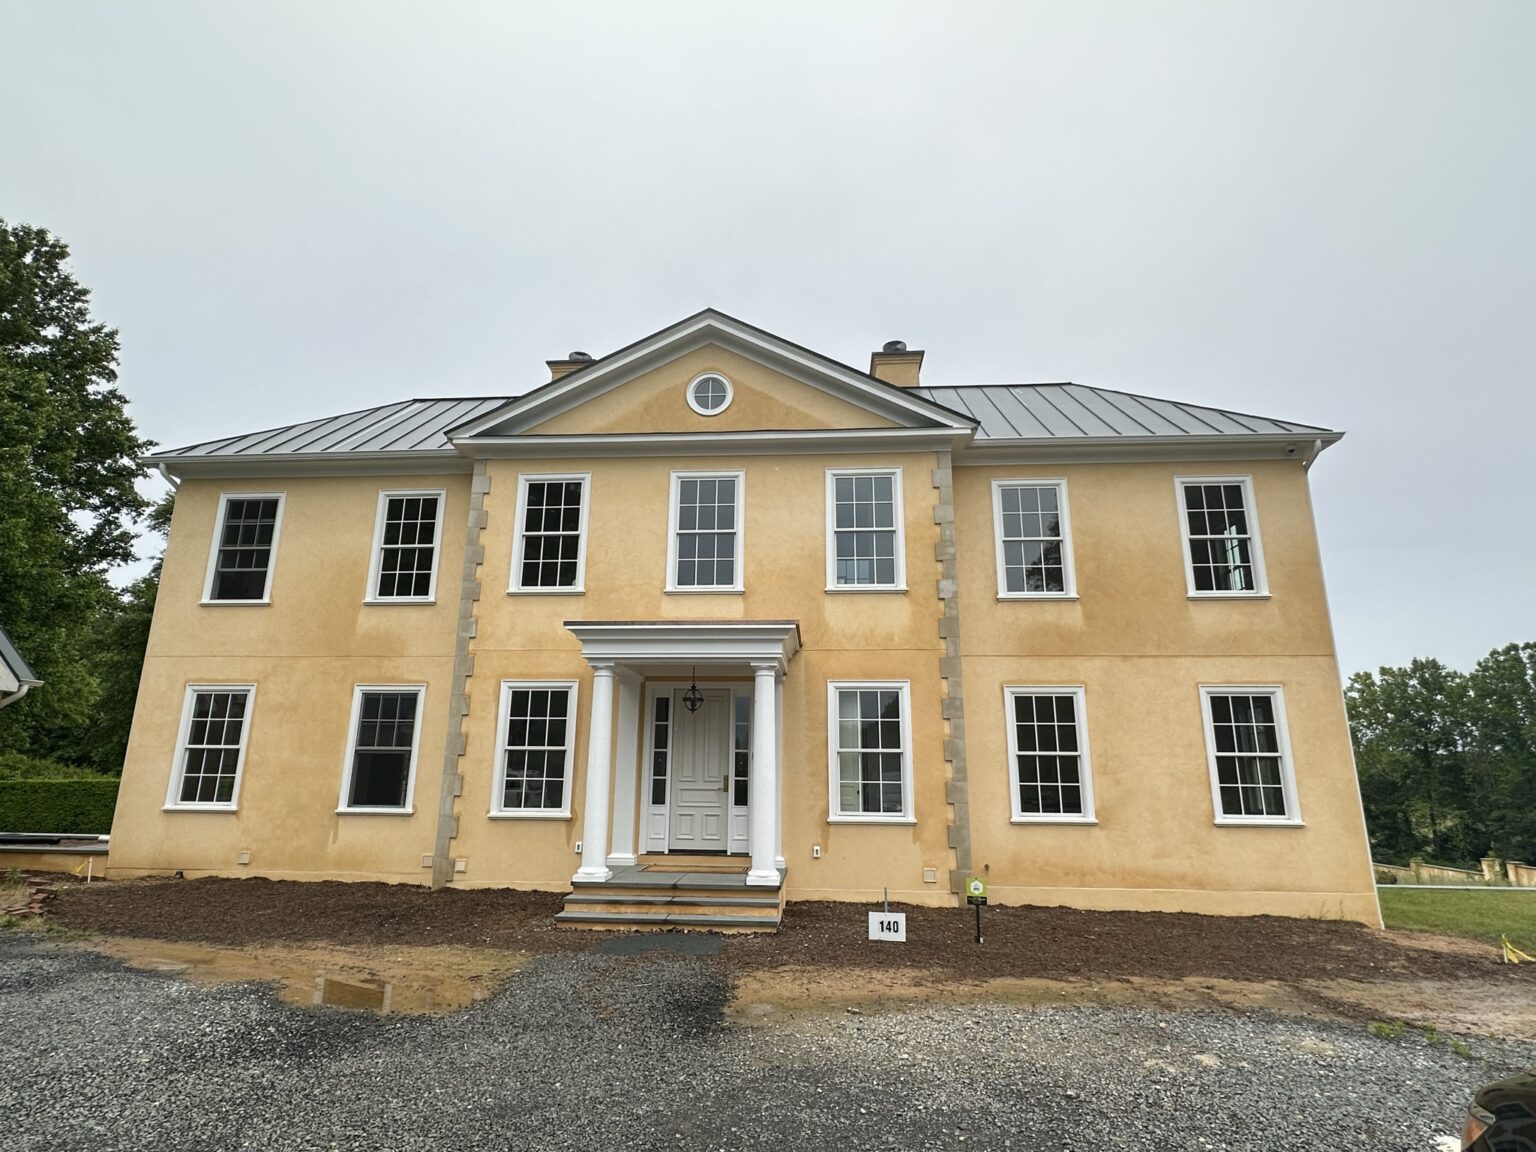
(1001, 596)
(703, 591)
(1231, 822)
(399, 599)
(546, 591)
(235, 603)
(1229, 596)
(375, 811)
(897, 820)
(529, 815)
(200, 808)
(1088, 821)
(896, 589)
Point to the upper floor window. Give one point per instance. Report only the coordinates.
(1034, 546)
(210, 751)
(1252, 781)
(1048, 747)
(865, 549)
(534, 754)
(405, 540)
(381, 755)
(1222, 553)
(551, 549)
(705, 534)
(244, 548)
(709, 394)
(870, 749)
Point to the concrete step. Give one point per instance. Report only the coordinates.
(662, 921)
(770, 900)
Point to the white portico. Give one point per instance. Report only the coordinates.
(683, 752)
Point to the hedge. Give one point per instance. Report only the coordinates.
(79, 806)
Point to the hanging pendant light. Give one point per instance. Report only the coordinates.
(693, 699)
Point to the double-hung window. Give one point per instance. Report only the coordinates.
(535, 748)
(210, 752)
(1048, 752)
(865, 549)
(705, 553)
(1252, 779)
(380, 774)
(551, 550)
(1222, 553)
(870, 751)
(244, 548)
(405, 547)
(1034, 545)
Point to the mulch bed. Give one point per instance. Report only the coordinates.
(1051, 943)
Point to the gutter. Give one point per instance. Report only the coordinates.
(26, 686)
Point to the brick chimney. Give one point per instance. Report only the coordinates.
(896, 365)
(573, 362)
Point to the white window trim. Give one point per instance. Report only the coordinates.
(178, 765)
(1068, 569)
(739, 569)
(499, 769)
(1260, 578)
(1292, 819)
(730, 393)
(345, 808)
(377, 556)
(218, 535)
(908, 814)
(1084, 764)
(515, 582)
(897, 512)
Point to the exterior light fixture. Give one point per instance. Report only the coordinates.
(693, 699)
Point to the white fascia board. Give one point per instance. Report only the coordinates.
(716, 443)
(688, 642)
(425, 462)
(670, 343)
(1301, 447)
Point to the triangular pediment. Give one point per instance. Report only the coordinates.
(775, 386)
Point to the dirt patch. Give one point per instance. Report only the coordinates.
(394, 980)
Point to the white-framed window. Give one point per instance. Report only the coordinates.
(1253, 780)
(406, 535)
(709, 394)
(869, 749)
(1034, 540)
(210, 746)
(535, 747)
(704, 535)
(550, 553)
(1048, 754)
(244, 549)
(382, 743)
(1219, 524)
(866, 548)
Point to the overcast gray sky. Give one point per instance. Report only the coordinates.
(1324, 212)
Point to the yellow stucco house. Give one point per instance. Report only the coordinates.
(714, 622)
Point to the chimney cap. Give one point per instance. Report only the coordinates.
(584, 357)
(894, 346)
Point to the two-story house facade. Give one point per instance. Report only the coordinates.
(714, 622)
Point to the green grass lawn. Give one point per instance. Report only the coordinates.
(1478, 915)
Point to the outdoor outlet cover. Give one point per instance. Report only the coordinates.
(930, 875)
(243, 858)
(816, 852)
(461, 865)
(426, 861)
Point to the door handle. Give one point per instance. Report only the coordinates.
(725, 782)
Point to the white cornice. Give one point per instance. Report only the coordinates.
(715, 443)
(1146, 449)
(420, 463)
(702, 642)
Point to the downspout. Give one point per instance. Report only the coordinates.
(18, 694)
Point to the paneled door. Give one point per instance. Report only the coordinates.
(701, 773)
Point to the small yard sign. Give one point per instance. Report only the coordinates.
(976, 890)
(888, 926)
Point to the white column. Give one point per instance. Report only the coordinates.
(626, 769)
(778, 808)
(763, 782)
(594, 836)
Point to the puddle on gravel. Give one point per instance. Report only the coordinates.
(393, 980)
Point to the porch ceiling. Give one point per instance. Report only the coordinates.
(718, 645)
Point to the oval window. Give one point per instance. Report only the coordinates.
(709, 394)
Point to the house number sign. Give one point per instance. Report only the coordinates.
(888, 926)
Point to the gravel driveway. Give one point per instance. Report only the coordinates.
(607, 1052)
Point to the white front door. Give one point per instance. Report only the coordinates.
(701, 773)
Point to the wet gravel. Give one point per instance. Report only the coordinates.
(583, 1050)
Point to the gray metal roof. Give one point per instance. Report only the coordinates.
(408, 426)
(1061, 411)
(12, 660)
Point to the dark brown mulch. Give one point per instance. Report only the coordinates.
(1051, 943)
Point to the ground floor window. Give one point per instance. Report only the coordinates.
(1250, 759)
(1048, 751)
(534, 757)
(211, 750)
(870, 751)
(381, 759)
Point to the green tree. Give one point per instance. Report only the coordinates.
(68, 505)
(1504, 719)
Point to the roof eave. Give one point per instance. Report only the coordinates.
(309, 463)
(1301, 446)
